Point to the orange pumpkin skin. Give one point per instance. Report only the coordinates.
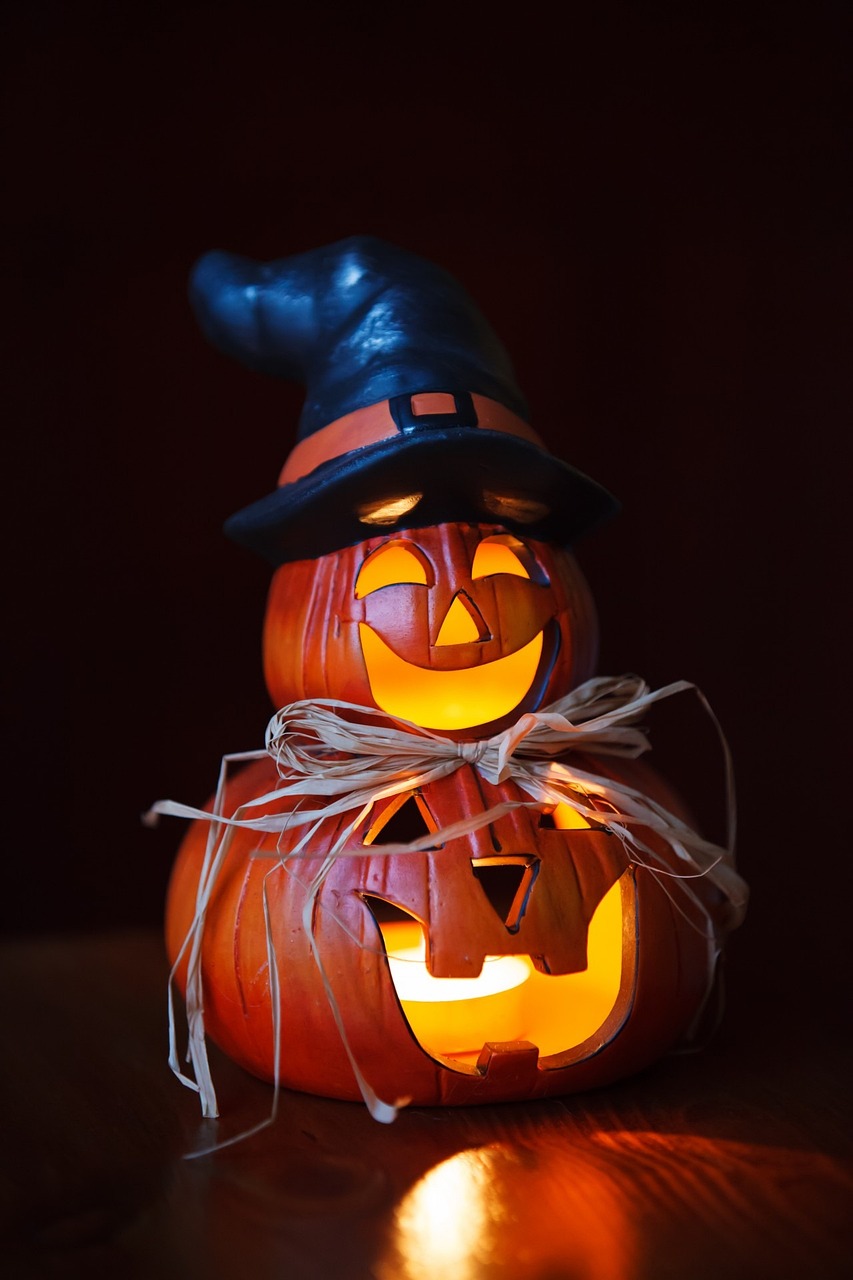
(312, 643)
(667, 962)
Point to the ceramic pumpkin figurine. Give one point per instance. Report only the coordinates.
(446, 879)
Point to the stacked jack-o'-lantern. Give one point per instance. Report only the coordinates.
(404, 946)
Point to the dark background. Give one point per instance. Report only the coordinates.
(651, 205)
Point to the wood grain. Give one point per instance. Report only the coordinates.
(731, 1163)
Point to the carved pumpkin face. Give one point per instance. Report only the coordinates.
(459, 628)
(603, 969)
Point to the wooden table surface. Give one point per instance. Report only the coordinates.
(731, 1163)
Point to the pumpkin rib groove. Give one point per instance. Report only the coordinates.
(235, 945)
(318, 610)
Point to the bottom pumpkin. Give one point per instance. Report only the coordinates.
(528, 958)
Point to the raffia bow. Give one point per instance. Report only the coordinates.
(336, 758)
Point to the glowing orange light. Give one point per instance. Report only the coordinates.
(389, 512)
(495, 555)
(388, 566)
(459, 626)
(447, 699)
(459, 1013)
(510, 1000)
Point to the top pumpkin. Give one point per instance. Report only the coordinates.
(459, 628)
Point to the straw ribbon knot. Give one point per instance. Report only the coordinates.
(471, 752)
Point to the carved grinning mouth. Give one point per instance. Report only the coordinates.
(566, 1016)
(454, 699)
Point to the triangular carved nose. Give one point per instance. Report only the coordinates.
(507, 882)
(463, 622)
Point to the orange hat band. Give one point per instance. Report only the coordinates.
(381, 421)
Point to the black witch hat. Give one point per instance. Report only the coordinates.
(412, 415)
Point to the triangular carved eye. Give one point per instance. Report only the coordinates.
(507, 883)
(404, 818)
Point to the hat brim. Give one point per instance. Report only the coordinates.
(452, 468)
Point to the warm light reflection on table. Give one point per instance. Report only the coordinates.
(443, 1225)
(490, 1211)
